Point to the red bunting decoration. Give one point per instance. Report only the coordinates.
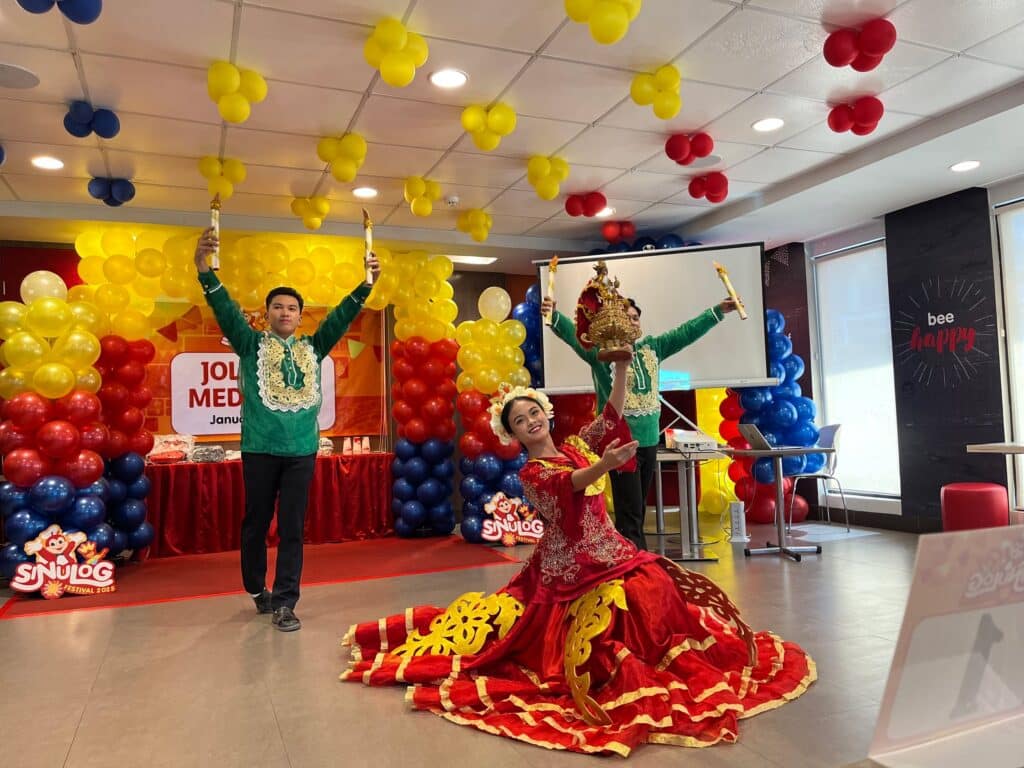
(864, 50)
(714, 187)
(685, 149)
(861, 117)
(588, 205)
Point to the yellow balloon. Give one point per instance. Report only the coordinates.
(397, 69)
(537, 168)
(321, 206)
(494, 304)
(487, 380)
(322, 258)
(440, 266)
(421, 206)
(220, 187)
(667, 78)
(14, 381)
(234, 170)
(43, 284)
(373, 52)
(486, 140)
(513, 333)
(328, 149)
(470, 357)
(90, 269)
(433, 192)
(445, 310)
(252, 86)
(579, 10)
(667, 105)
(416, 47)
(88, 244)
(210, 167)
(150, 262)
(117, 241)
(445, 291)
(559, 168)
(391, 34)
(353, 145)
(464, 332)
(222, 78)
(26, 350)
(86, 316)
(180, 251)
(485, 332)
(275, 256)
(464, 382)
(112, 298)
(89, 380)
(149, 287)
(48, 317)
(501, 119)
(81, 293)
(346, 276)
(233, 107)
(521, 377)
(77, 348)
(474, 118)
(414, 187)
(344, 169)
(375, 301)
(432, 330)
(547, 188)
(119, 269)
(131, 324)
(643, 89)
(251, 275)
(632, 7)
(53, 380)
(143, 304)
(404, 329)
(12, 318)
(301, 272)
(713, 501)
(609, 22)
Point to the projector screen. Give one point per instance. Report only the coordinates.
(671, 286)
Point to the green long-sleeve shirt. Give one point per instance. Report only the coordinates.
(642, 410)
(279, 378)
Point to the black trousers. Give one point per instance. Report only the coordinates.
(629, 493)
(270, 480)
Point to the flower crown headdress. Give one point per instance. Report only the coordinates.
(507, 392)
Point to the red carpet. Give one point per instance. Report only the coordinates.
(189, 577)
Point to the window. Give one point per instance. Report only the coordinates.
(855, 345)
(1011, 248)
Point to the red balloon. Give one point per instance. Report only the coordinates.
(403, 369)
(508, 452)
(574, 205)
(865, 63)
(12, 438)
(446, 349)
(141, 442)
(698, 187)
(416, 430)
(23, 466)
(414, 390)
(432, 370)
(140, 397)
(740, 445)
(82, 468)
(471, 402)
(417, 349)
(402, 411)
(864, 130)
(677, 147)
(701, 145)
(397, 349)
(717, 184)
(840, 118)
(688, 160)
(57, 439)
(800, 508)
(729, 429)
(131, 374)
(447, 388)
(79, 407)
(396, 391)
(612, 231)
(731, 407)
(114, 396)
(114, 351)
(867, 110)
(129, 421)
(594, 203)
(737, 471)
(745, 487)
(627, 229)
(436, 409)
(94, 436)
(762, 508)
(470, 445)
(482, 425)
(841, 48)
(116, 445)
(141, 351)
(877, 37)
(717, 198)
(444, 430)
(28, 411)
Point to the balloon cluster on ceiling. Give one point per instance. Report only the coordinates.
(614, 231)
(81, 120)
(589, 204)
(222, 175)
(344, 155)
(487, 126)
(396, 52)
(113, 192)
(714, 187)
(312, 210)
(77, 11)
(608, 19)
(660, 90)
(476, 223)
(421, 194)
(546, 175)
(234, 90)
(861, 117)
(863, 51)
(685, 149)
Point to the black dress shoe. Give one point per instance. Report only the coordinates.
(285, 619)
(262, 601)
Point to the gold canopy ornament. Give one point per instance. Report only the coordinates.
(215, 225)
(601, 318)
(723, 275)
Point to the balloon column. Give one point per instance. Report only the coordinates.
(716, 486)
(419, 289)
(784, 417)
(125, 394)
(126, 490)
(528, 313)
(422, 471)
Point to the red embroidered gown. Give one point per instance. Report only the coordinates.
(594, 646)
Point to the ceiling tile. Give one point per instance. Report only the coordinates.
(523, 26)
(272, 180)
(752, 49)
(582, 178)
(329, 53)
(357, 11)
(702, 103)
(512, 225)
(489, 71)
(565, 226)
(666, 216)
(468, 196)
(737, 190)
(659, 34)
(820, 138)
(953, 82)
(389, 191)
(170, 198)
(650, 187)
(532, 136)
(81, 161)
(737, 125)
(568, 91)
(149, 87)
(389, 120)
(165, 32)
(959, 25)
(439, 219)
(305, 109)
(282, 149)
(244, 204)
(1007, 48)
(5, 191)
(19, 26)
(776, 164)
(398, 162)
(478, 170)
(50, 189)
(818, 80)
(519, 202)
(353, 212)
(613, 147)
(155, 169)
(724, 155)
(34, 121)
(58, 78)
(840, 13)
(165, 135)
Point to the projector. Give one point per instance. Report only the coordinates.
(689, 440)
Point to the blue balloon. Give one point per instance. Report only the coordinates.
(11, 556)
(435, 450)
(442, 519)
(416, 470)
(472, 509)
(751, 417)
(533, 294)
(514, 465)
(522, 311)
(755, 399)
(116, 491)
(782, 413)
(112, 201)
(535, 367)
(487, 467)
(3, 156)
(396, 506)
(805, 408)
(443, 471)
(23, 526)
(788, 390)
(122, 190)
(794, 365)
(621, 247)
(79, 131)
(472, 528)
(12, 497)
(466, 465)
(81, 112)
(403, 489)
(414, 513)
(140, 538)
(430, 492)
(774, 322)
(129, 514)
(511, 486)
(792, 465)
(773, 438)
(764, 471)
(397, 468)
(640, 243)
(779, 346)
(405, 449)
(140, 488)
(404, 528)
(86, 513)
(99, 188)
(803, 434)
(472, 487)
(815, 462)
(106, 124)
(103, 536)
(777, 370)
(671, 240)
(81, 11)
(128, 468)
(120, 542)
(597, 252)
(100, 488)
(37, 6)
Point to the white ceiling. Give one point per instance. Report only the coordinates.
(740, 61)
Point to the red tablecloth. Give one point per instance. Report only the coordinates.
(197, 508)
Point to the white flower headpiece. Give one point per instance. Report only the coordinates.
(506, 393)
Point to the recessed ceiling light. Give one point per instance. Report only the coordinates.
(768, 124)
(449, 78)
(473, 259)
(605, 212)
(47, 163)
(364, 193)
(963, 167)
(13, 76)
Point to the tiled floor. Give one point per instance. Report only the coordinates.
(208, 682)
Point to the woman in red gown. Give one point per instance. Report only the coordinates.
(594, 646)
